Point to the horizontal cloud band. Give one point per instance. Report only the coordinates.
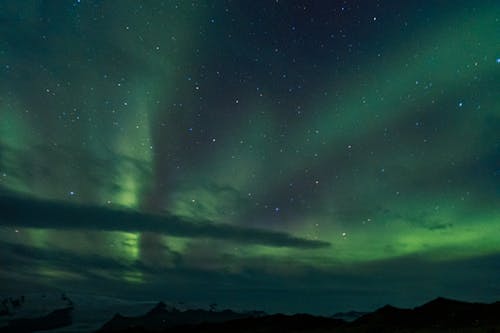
(32, 213)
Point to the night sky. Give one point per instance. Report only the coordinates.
(280, 155)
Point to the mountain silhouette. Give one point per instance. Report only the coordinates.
(215, 324)
(440, 313)
(161, 318)
(55, 319)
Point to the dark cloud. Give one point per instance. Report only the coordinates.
(24, 212)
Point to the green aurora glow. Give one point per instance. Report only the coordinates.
(384, 143)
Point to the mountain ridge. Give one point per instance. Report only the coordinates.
(440, 314)
(437, 315)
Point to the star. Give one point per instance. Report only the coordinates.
(100, 141)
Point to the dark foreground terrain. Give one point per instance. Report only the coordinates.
(60, 317)
(439, 315)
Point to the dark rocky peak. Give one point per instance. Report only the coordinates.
(159, 308)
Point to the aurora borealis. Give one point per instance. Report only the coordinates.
(280, 155)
